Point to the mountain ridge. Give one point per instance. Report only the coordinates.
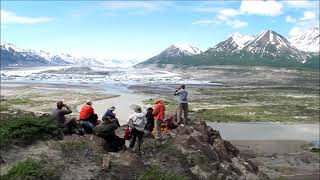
(267, 48)
(308, 41)
(12, 55)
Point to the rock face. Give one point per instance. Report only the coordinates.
(195, 151)
(209, 156)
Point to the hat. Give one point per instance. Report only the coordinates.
(135, 107)
(60, 104)
(112, 108)
(89, 102)
(156, 101)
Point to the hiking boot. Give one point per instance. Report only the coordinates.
(80, 132)
(77, 131)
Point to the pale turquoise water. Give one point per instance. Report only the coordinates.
(267, 131)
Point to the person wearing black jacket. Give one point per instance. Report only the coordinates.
(150, 120)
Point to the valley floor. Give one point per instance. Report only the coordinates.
(248, 94)
(237, 94)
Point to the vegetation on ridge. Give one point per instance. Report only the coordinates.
(27, 129)
(31, 169)
(155, 173)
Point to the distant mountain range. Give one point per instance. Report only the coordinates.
(11, 55)
(267, 48)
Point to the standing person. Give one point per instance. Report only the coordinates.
(68, 123)
(87, 117)
(158, 114)
(182, 99)
(136, 122)
(150, 120)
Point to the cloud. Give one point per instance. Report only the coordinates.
(230, 22)
(10, 17)
(299, 4)
(308, 20)
(290, 19)
(257, 7)
(236, 23)
(308, 15)
(203, 22)
(145, 6)
(226, 13)
(206, 9)
(261, 7)
(229, 12)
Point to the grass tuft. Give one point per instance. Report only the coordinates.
(31, 169)
(73, 150)
(155, 173)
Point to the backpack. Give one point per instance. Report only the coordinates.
(127, 134)
(103, 130)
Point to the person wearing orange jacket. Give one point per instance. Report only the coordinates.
(159, 115)
(88, 119)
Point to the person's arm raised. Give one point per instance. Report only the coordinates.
(67, 109)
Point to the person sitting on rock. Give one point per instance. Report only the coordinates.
(137, 121)
(150, 121)
(68, 123)
(110, 114)
(106, 130)
(159, 115)
(87, 117)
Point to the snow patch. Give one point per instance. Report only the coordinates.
(187, 48)
(308, 41)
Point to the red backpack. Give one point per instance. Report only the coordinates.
(127, 134)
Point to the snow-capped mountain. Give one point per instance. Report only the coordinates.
(235, 42)
(272, 44)
(176, 50)
(11, 55)
(173, 52)
(267, 48)
(267, 38)
(308, 41)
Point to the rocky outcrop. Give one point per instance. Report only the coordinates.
(195, 151)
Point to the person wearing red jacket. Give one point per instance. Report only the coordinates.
(87, 117)
(159, 115)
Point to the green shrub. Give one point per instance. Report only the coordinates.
(31, 169)
(155, 173)
(315, 150)
(27, 129)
